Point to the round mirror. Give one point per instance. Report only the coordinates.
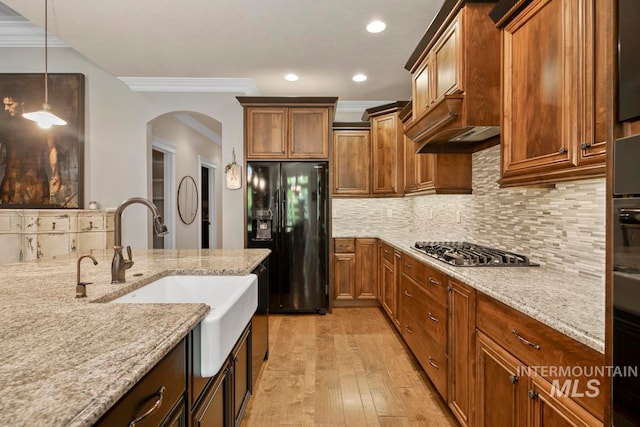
(187, 199)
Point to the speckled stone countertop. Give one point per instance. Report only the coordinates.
(66, 361)
(569, 303)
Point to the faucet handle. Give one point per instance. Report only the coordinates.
(128, 263)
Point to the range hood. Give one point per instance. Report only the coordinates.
(447, 128)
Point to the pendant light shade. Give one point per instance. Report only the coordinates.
(44, 117)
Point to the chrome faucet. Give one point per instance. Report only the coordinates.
(81, 287)
(119, 264)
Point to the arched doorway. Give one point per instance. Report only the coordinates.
(181, 144)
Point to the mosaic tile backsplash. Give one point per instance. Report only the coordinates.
(561, 227)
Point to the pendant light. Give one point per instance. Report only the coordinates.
(44, 117)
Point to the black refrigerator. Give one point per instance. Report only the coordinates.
(287, 212)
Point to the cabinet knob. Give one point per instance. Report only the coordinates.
(513, 379)
(532, 394)
(585, 145)
(562, 150)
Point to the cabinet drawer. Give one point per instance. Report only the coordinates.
(91, 222)
(422, 307)
(342, 246)
(430, 279)
(428, 353)
(538, 345)
(169, 373)
(53, 223)
(387, 252)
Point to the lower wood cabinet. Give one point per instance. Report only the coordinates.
(355, 271)
(513, 354)
(223, 398)
(158, 398)
(389, 282)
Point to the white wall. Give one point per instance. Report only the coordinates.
(116, 136)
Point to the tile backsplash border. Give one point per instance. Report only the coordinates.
(561, 227)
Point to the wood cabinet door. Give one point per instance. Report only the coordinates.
(386, 137)
(351, 162)
(366, 267)
(410, 165)
(266, 132)
(462, 336)
(425, 170)
(387, 280)
(213, 411)
(241, 373)
(422, 88)
(308, 133)
(344, 266)
(549, 408)
(539, 89)
(447, 61)
(501, 394)
(592, 39)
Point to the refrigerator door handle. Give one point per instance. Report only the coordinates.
(277, 220)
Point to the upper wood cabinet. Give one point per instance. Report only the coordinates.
(351, 159)
(287, 128)
(555, 69)
(387, 149)
(456, 81)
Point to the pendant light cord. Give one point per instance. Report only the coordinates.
(46, 53)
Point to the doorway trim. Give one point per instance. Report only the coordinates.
(203, 162)
(169, 151)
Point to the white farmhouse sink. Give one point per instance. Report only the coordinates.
(233, 300)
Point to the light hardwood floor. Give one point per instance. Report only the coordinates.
(348, 368)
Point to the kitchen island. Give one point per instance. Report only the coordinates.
(66, 361)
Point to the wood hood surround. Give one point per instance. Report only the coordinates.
(456, 81)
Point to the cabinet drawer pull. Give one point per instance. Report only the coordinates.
(433, 281)
(160, 394)
(432, 363)
(408, 294)
(406, 264)
(408, 329)
(524, 340)
(386, 251)
(562, 150)
(432, 317)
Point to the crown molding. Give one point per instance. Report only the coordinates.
(357, 106)
(192, 84)
(18, 32)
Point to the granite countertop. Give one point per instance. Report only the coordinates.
(66, 361)
(569, 303)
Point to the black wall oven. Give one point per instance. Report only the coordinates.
(626, 280)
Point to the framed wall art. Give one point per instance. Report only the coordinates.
(41, 168)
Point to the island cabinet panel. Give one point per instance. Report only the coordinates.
(555, 69)
(351, 162)
(165, 383)
(212, 411)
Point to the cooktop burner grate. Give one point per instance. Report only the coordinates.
(465, 254)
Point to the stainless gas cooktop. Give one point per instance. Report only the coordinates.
(465, 254)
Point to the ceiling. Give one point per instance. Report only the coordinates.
(323, 41)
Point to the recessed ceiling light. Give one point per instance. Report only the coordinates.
(291, 77)
(359, 78)
(376, 26)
